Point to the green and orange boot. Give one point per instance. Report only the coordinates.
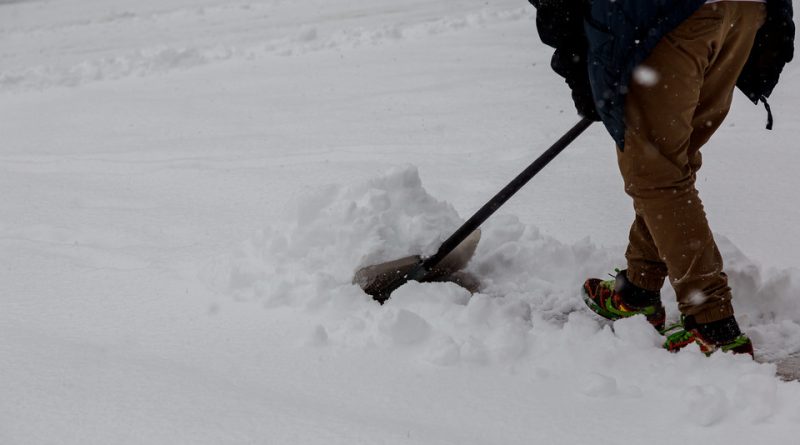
(619, 298)
(723, 335)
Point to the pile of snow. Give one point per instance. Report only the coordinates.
(529, 312)
(767, 302)
(311, 259)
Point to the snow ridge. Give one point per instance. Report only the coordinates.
(150, 61)
(167, 57)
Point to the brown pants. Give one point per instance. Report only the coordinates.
(678, 97)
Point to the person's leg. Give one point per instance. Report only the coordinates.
(717, 92)
(696, 67)
(645, 267)
(660, 107)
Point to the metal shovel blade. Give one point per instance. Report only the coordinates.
(455, 252)
(374, 279)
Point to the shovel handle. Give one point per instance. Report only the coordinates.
(426, 265)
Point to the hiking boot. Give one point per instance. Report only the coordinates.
(722, 335)
(619, 298)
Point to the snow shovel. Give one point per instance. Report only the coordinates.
(381, 280)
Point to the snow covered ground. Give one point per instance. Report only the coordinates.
(189, 185)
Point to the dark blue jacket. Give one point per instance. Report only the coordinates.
(599, 42)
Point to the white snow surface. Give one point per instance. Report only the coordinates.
(189, 186)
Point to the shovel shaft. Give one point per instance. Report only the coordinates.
(425, 265)
(505, 194)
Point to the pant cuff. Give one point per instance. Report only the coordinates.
(715, 313)
(645, 280)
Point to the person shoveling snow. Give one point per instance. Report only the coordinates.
(661, 95)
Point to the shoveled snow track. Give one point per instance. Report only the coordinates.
(789, 368)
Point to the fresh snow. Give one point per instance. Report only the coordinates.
(189, 186)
